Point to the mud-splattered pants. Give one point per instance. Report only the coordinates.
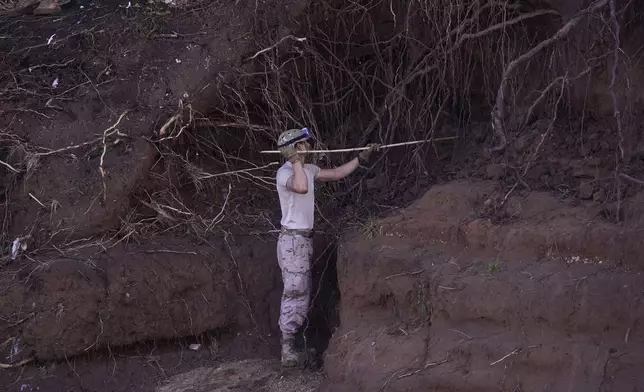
(294, 256)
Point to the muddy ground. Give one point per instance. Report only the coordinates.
(139, 216)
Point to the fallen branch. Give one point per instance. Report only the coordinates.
(498, 112)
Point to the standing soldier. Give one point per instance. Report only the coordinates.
(295, 186)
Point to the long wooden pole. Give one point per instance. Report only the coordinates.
(440, 139)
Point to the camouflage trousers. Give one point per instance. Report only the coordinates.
(294, 256)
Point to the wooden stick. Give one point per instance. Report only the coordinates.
(366, 148)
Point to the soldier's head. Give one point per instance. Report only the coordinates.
(296, 138)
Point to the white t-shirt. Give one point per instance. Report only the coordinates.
(298, 210)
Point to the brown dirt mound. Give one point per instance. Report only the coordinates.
(437, 298)
(60, 307)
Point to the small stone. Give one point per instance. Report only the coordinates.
(495, 171)
(586, 190)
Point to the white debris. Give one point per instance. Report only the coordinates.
(194, 347)
(15, 349)
(55, 83)
(178, 61)
(51, 39)
(15, 248)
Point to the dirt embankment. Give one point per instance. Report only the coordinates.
(149, 136)
(67, 306)
(439, 298)
(118, 243)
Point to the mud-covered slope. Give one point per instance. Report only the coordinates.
(438, 298)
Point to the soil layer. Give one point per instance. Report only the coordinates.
(439, 298)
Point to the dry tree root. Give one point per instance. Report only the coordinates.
(106, 133)
(619, 155)
(498, 113)
(17, 364)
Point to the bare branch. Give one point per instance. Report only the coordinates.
(498, 113)
(106, 133)
(8, 166)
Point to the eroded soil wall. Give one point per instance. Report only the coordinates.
(430, 304)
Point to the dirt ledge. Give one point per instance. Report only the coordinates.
(438, 298)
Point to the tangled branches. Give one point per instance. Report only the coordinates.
(382, 72)
(385, 72)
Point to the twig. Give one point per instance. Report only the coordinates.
(427, 366)
(633, 179)
(405, 273)
(277, 43)
(167, 124)
(170, 251)
(498, 112)
(209, 175)
(366, 148)
(61, 65)
(551, 125)
(8, 166)
(515, 352)
(37, 201)
(561, 79)
(17, 364)
(616, 112)
(223, 208)
(613, 78)
(100, 166)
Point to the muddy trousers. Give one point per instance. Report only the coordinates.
(294, 256)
